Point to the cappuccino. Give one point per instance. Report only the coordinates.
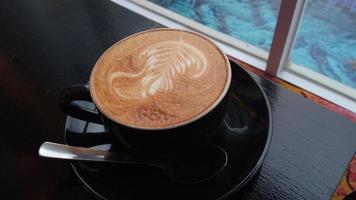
(161, 78)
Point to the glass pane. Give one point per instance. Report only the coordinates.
(326, 41)
(252, 21)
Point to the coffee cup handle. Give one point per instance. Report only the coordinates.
(70, 107)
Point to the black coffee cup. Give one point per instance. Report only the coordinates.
(149, 140)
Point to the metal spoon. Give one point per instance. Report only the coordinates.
(189, 167)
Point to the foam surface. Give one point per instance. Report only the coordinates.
(158, 78)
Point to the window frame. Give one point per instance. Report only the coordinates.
(279, 63)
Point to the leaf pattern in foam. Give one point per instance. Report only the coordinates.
(164, 61)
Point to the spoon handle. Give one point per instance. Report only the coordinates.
(66, 152)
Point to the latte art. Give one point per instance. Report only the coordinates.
(163, 62)
(161, 78)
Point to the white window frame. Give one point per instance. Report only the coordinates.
(275, 62)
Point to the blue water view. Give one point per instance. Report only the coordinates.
(326, 41)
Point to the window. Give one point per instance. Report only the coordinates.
(219, 20)
(250, 21)
(325, 46)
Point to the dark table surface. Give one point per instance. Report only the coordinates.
(46, 45)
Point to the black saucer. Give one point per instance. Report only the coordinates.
(245, 134)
